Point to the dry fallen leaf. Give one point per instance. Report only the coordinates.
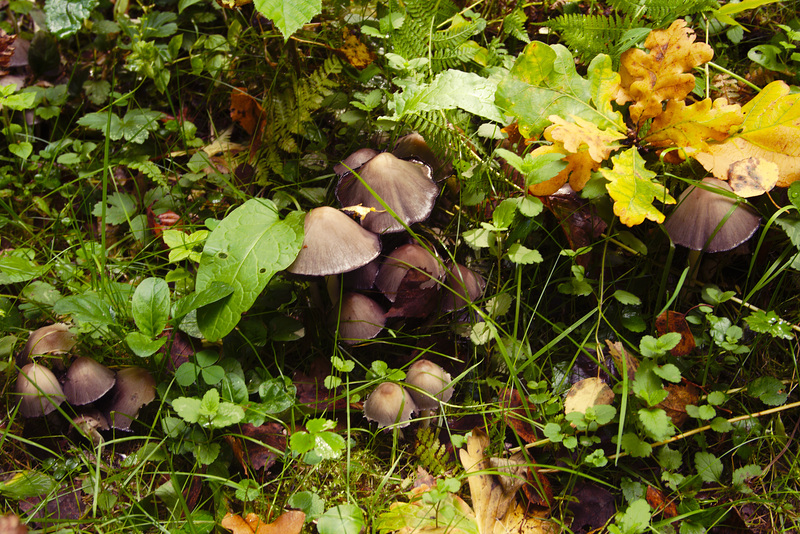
(675, 404)
(578, 170)
(752, 177)
(287, 523)
(245, 110)
(588, 392)
(621, 357)
(663, 73)
(659, 503)
(356, 52)
(671, 321)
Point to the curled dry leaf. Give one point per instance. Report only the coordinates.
(287, 523)
(671, 321)
(588, 392)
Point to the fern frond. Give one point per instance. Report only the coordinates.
(590, 35)
(514, 24)
(662, 10)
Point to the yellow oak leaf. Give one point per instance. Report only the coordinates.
(574, 136)
(578, 171)
(770, 132)
(664, 72)
(633, 190)
(690, 127)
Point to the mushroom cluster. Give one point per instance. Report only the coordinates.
(390, 404)
(100, 398)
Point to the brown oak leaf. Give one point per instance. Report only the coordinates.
(671, 321)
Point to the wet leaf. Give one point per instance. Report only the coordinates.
(586, 393)
(752, 177)
(633, 189)
(671, 321)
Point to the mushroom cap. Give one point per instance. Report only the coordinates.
(361, 318)
(700, 211)
(390, 403)
(362, 278)
(333, 244)
(464, 286)
(39, 391)
(354, 161)
(414, 146)
(431, 384)
(51, 339)
(135, 388)
(87, 381)
(406, 187)
(400, 261)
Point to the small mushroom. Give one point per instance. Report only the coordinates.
(389, 404)
(333, 244)
(414, 146)
(361, 318)
(87, 381)
(51, 339)
(402, 260)
(39, 391)
(431, 385)
(463, 286)
(354, 161)
(89, 423)
(135, 388)
(407, 188)
(700, 211)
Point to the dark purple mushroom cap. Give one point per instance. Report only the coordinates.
(51, 339)
(362, 278)
(390, 403)
(354, 161)
(400, 261)
(700, 211)
(39, 391)
(333, 244)
(431, 384)
(406, 187)
(135, 388)
(463, 287)
(87, 381)
(361, 318)
(414, 146)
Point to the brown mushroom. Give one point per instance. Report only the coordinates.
(389, 404)
(39, 391)
(463, 286)
(134, 389)
(430, 386)
(411, 257)
(333, 244)
(51, 339)
(354, 161)
(404, 186)
(361, 318)
(87, 380)
(701, 211)
(414, 146)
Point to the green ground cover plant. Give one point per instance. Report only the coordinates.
(598, 360)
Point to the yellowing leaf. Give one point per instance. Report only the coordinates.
(770, 131)
(690, 127)
(588, 392)
(752, 177)
(287, 523)
(665, 72)
(582, 133)
(633, 190)
(578, 171)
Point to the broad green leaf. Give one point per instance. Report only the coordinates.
(150, 306)
(769, 323)
(65, 17)
(708, 466)
(520, 254)
(26, 484)
(544, 82)
(635, 519)
(631, 187)
(214, 292)
(107, 122)
(451, 89)
(627, 298)
(138, 123)
(142, 345)
(342, 519)
(289, 15)
(182, 245)
(22, 149)
(86, 308)
(120, 208)
(17, 268)
(770, 390)
(743, 474)
(245, 250)
(276, 397)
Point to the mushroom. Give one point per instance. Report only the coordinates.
(89, 423)
(389, 404)
(39, 391)
(135, 388)
(333, 244)
(699, 214)
(431, 385)
(362, 278)
(407, 188)
(51, 339)
(402, 260)
(360, 318)
(463, 287)
(354, 161)
(87, 381)
(414, 146)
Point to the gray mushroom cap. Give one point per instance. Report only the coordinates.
(87, 381)
(400, 261)
(354, 161)
(431, 384)
(134, 389)
(700, 211)
(39, 391)
(361, 318)
(51, 339)
(389, 404)
(406, 187)
(463, 287)
(333, 244)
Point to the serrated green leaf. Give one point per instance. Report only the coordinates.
(520, 254)
(769, 323)
(150, 306)
(743, 474)
(26, 484)
(668, 372)
(244, 251)
(107, 122)
(16, 268)
(138, 123)
(289, 15)
(65, 17)
(717, 397)
(708, 466)
(631, 187)
(770, 390)
(188, 408)
(635, 519)
(669, 459)
(656, 423)
(636, 446)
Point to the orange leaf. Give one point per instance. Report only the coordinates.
(689, 127)
(665, 72)
(671, 321)
(655, 498)
(245, 110)
(287, 523)
(578, 171)
(355, 52)
(583, 135)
